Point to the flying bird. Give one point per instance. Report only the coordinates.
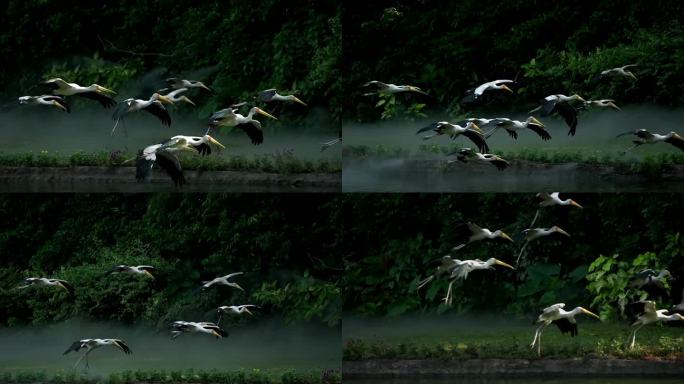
(562, 105)
(619, 71)
(270, 95)
(50, 100)
(176, 97)
(475, 94)
(92, 344)
(603, 103)
(565, 320)
(532, 234)
(229, 117)
(234, 310)
(476, 233)
(471, 131)
(181, 327)
(652, 282)
(223, 280)
(330, 143)
(551, 199)
(447, 264)
(43, 281)
(463, 268)
(145, 270)
(94, 92)
(649, 315)
(513, 126)
(154, 105)
(467, 154)
(646, 137)
(388, 89)
(177, 83)
(166, 155)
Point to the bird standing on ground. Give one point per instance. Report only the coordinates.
(55, 101)
(92, 344)
(649, 315)
(565, 320)
(44, 281)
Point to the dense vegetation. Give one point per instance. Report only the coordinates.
(238, 48)
(392, 242)
(548, 47)
(286, 245)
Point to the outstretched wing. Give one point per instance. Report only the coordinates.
(569, 114)
(266, 95)
(121, 345)
(75, 346)
(157, 109)
(543, 133)
(253, 130)
(477, 139)
(170, 163)
(566, 326)
(105, 100)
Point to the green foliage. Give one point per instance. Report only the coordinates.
(392, 108)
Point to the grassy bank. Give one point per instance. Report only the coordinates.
(189, 376)
(647, 165)
(277, 163)
(604, 340)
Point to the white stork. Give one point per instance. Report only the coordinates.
(223, 280)
(476, 233)
(462, 268)
(565, 320)
(176, 97)
(181, 327)
(548, 200)
(229, 117)
(177, 83)
(475, 94)
(92, 344)
(562, 105)
(44, 281)
(94, 92)
(471, 131)
(649, 315)
(55, 101)
(535, 233)
(513, 126)
(602, 103)
(646, 137)
(153, 105)
(389, 89)
(234, 310)
(272, 94)
(145, 270)
(466, 154)
(619, 71)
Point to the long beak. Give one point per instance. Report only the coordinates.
(58, 105)
(149, 274)
(590, 313)
(296, 100)
(475, 127)
(539, 123)
(632, 75)
(581, 99)
(238, 287)
(574, 203)
(416, 89)
(504, 86)
(247, 310)
(499, 262)
(612, 105)
(164, 99)
(563, 232)
(205, 87)
(215, 142)
(184, 98)
(505, 236)
(261, 111)
(103, 89)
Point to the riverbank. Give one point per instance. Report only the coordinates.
(122, 179)
(584, 367)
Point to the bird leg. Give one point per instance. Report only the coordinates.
(448, 298)
(115, 125)
(219, 319)
(79, 360)
(535, 218)
(539, 343)
(423, 282)
(636, 144)
(634, 336)
(521, 252)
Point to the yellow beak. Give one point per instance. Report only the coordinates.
(505, 236)
(296, 100)
(215, 142)
(612, 105)
(149, 274)
(262, 112)
(58, 105)
(184, 98)
(164, 99)
(475, 127)
(499, 262)
(417, 89)
(563, 232)
(574, 203)
(105, 90)
(205, 87)
(588, 312)
(504, 86)
(539, 123)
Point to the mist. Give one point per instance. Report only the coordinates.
(596, 134)
(264, 344)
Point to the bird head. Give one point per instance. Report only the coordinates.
(588, 312)
(503, 235)
(473, 126)
(262, 112)
(102, 89)
(577, 97)
(505, 87)
(678, 316)
(559, 230)
(214, 141)
(162, 99)
(24, 99)
(574, 203)
(201, 85)
(533, 120)
(296, 100)
(187, 100)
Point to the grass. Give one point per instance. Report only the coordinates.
(652, 166)
(599, 340)
(275, 163)
(188, 376)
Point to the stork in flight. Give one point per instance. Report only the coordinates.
(223, 280)
(466, 154)
(234, 310)
(470, 130)
(562, 105)
(92, 344)
(476, 233)
(619, 72)
(145, 270)
(513, 126)
(645, 137)
(475, 94)
(535, 233)
(650, 315)
(58, 86)
(178, 83)
(181, 327)
(388, 89)
(565, 320)
(44, 281)
(272, 94)
(229, 117)
(602, 103)
(153, 105)
(551, 199)
(50, 100)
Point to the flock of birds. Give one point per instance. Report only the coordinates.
(649, 281)
(567, 107)
(178, 327)
(166, 153)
